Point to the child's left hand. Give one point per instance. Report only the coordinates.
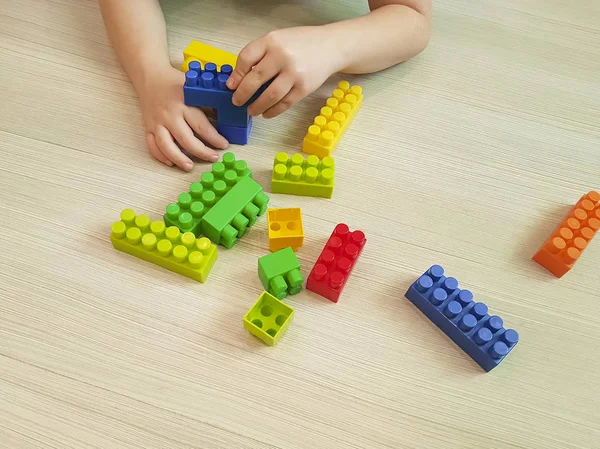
(298, 59)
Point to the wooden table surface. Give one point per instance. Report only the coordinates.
(467, 156)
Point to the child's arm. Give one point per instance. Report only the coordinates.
(137, 31)
(302, 58)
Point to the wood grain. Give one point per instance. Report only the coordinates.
(466, 156)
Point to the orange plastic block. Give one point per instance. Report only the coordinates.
(564, 247)
(334, 119)
(285, 228)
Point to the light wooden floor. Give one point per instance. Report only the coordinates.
(467, 156)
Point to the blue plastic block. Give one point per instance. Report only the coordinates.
(207, 88)
(236, 134)
(465, 321)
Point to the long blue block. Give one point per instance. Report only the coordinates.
(206, 88)
(465, 321)
(235, 134)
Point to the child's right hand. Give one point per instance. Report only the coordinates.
(169, 120)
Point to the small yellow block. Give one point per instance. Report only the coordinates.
(167, 247)
(199, 51)
(268, 319)
(285, 228)
(330, 125)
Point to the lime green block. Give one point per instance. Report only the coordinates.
(191, 206)
(230, 218)
(298, 176)
(167, 247)
(279, 273)
(268, 319)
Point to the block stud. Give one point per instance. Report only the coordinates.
(128, 217)
(438, 296)
(134, 235)
(191, 78)
(149, 242)
(118, 230)
(424, 283)
(452, 309)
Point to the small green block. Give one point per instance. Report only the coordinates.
(268, 319)
(235, 212)
(279, 273)
(191, 206)
(298, 176)
(167, 247)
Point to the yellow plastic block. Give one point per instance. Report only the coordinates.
(298, 176)
(330, 125)
(268, 319)
(199, 51)
(167, 247)
(285, 228)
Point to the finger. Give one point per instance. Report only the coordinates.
(266, 69)
(165, 143)
(155, 151)
(293, 97)
(202, 126)
(250, 55)
(274, 93)
(184, 135)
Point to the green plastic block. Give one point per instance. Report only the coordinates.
(167, 247)
(268, 319)
(230, 218)
(191, 206)
(279, 273)
(298, 176)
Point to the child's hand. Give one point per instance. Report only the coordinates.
(299, 59)
(168, 119)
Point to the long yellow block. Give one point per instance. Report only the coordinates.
(167, 247)
(199, 51)
(330, 125)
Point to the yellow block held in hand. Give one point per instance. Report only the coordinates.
(199, 51)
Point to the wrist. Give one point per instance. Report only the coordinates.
(145, 75)
(339, 41)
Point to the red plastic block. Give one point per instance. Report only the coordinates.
(565, 245)
(330, 273)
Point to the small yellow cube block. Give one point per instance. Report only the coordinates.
(285, 228)
(268, 319)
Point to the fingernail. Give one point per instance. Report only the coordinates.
(229, 82)
(188, 166)
(214, 157)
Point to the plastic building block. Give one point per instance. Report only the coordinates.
(207, 88)
(235, 134)
(204, 53)
(466, 322)
(565, 245)
(167, 247)
(298, 176)
(330, 125)
(191, 206)
(336, 262)
(285, 228)
(235, 212)
(279, 273)
(268, 319)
